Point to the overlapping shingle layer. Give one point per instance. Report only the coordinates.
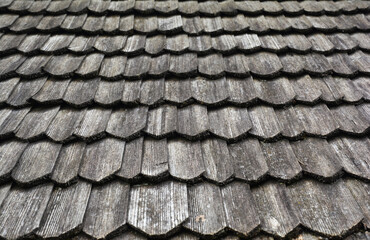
(184, 119)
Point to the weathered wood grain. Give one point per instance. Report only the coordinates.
(10, 119)
(102, 159)
(155, 158)
(217, 160)
(127, 123)
(65, 211)
(283, 163)
(81, 92)
(229, 122)
(206, 211)
(31, 203)
(109, 92)
(276, 211)
(10, 152)
(185, 159)
(36, 122)
(264, 121)
(93, 124)
(192, 120)
(339, 211)
(132, 159)
(107, 211)
(68, 163)
(316, 157)
(248, 160)
(37, 162)
(166, 207)
(209, 91)
(24, 90)
(240, 210)
(52, 91)
(162, 121)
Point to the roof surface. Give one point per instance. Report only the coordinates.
(184, 120)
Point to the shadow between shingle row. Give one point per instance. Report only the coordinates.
(204, 209)
(152, 160)
(227, 44)
(193, 122)
(249, 91)
(262, 64)
(194, 25)
(208, 8)
(186, 235)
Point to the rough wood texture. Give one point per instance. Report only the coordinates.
(166, 207)
(37, 162)
(107, 211)
(57, 65)
(248, 160)
(264, 64)
(127, 123)
(36, 122)
(10, 153)
(52, 91)
(113, 68)
(361, 192)
(264, 121)
(6, 88)
(31, 203)
(240, 210)
(217, 160)
(291, 126)
(162, 121)
(208, 91)
(350, 119)
(81, 92)
(10, 119)
(137, 67)
(90, 65)
(206, 210)
(316, 157)
(278, 91)
(93, 124)
(109, 92)
(317, 120)
(276, 211)
(185, 159)
(339, 211)
(64, 124)
(282, 161)
(192, 121)
(211, 66)
(155, 158)
(152, 91)
(24, 91)
(102, 159)
(68, 163)
(353, 155)
(229, 122)
(132, 159)
(65, 211)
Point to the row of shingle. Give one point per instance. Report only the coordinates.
(204, 44)
(213, 159)
(193, 122)
(262, 64)
(204, 209)
(211, 8)
(177, 23)
(304, 235)
(181, 92)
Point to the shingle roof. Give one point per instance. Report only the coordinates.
(184, 119)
